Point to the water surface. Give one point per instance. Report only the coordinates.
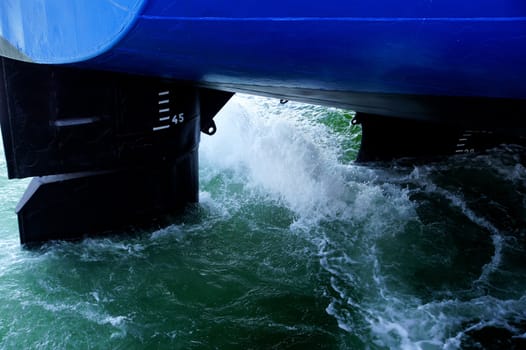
(293, 246)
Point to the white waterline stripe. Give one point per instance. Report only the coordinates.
(339, 19)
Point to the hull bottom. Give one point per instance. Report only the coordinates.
(465, 112)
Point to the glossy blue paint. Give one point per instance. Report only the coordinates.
(63, 31)
(425, 47)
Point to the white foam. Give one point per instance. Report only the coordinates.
(279, 151)
(293, 161)
(496, 236)
(399, 320)
(275, 157)
(170, 231)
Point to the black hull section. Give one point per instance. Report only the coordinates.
(387, 138)
(109, 150)
(68, 207)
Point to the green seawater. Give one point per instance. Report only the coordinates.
(293, 246)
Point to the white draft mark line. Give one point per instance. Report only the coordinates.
(161, 127)
(164, 93)
(164, 118)
(162, 102)
(164, 110)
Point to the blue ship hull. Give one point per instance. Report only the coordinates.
(378, 57)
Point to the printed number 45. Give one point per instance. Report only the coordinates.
(178, 118)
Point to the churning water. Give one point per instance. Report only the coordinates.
(293, 246)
